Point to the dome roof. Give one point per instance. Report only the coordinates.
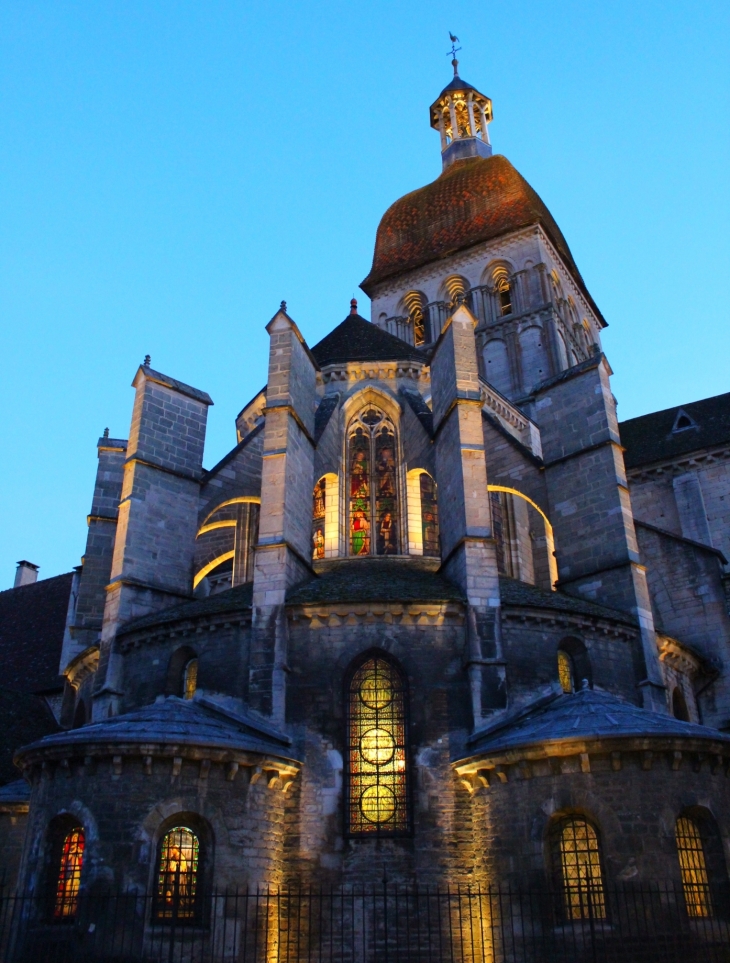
(474, 200)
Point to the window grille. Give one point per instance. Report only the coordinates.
(577, 859)
(376, 753)
(319, 504)
(693, 868)
(565, 671)
(190, 681)
(374, 520)
(69, 875)
(177, 878)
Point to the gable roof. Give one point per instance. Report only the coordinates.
(358, 340)
(651, 438)
(32, 624)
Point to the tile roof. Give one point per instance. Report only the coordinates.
(232, 600)
(514, 592)
(649, 438)
(376, 580)
(587, 714)
(358, 340)
(180, 722)
(32, 623)
(23, 718)
(473, 200)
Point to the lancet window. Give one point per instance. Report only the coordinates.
(373, 485)
(565, 671)
(577, 863)
(190, 679)
(66, 900)
(693, 867)
(429, 515)
(319, 506)
(377, 789)
(177, 890)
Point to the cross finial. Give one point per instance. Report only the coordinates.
(353, 306)
(147, 361)
(453, 52)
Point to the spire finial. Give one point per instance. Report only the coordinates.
(106, 432)
(353, 306)
(282, 306)
(147, 361)
(453, 52)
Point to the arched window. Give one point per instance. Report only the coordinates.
(190, 680)
(414, 303)
(679, 705)
(68, 876)
(429, 515)
(319, 507)
(693, 867)
(504, 294)
(177, 891)
(374, 518)
(377, 775)
(576, 859)
(565, 671)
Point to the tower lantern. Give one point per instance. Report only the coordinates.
(461, 115)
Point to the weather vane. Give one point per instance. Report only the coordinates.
(453, 52)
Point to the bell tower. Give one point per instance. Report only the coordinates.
(461, 115)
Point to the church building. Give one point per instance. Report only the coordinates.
(436, 617)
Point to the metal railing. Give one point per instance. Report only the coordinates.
(383, 924)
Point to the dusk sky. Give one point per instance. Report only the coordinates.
(171, 171)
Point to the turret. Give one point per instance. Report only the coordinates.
(461, 115)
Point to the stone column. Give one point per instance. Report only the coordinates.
(152, 566)
(284, 550)
(590, 509)
(468, 549)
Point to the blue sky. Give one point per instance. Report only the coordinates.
(171, 170)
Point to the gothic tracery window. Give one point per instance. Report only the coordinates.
(177, 876)
(68, 880)
(576, 859)
(374, 518)
(693, 867)
(319, 503)
(377, 791)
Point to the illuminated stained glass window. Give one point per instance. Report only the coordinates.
(69, 875)
(693, 867)
(577, 860)
(376, 754)
(429, 515)
(177, 877)
(190, 681)
(565, 671)
(373, 485)
(318, 512)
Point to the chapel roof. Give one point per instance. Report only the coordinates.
(652, 438)
(356, 339)
(514, 592)
(472, 201)
(231, 600)
(376, 580)
(586, 714)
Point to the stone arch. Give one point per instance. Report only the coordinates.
(580, 662)
(533, 357)
(414, 305)
(179, 659)
(496, 365)
(548, 561)
(453, 289)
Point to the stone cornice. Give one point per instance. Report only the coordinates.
(375, 371)
(326, 615)
(184, 629)
(679, 464)
(567, 619)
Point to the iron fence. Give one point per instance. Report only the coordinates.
(384, 924)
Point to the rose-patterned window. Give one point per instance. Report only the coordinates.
(373, 485)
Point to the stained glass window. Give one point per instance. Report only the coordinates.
(318, 514)
(377, 796)
(429, 515)
(190, 681)
(577, 859)
(69, 875)
(373, 485)
(565, 671)
(693, 867)
(177, 878)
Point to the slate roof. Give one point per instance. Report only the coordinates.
(649, 438)
(376, 580)
(23, 718)
(587, 714)
(15, 792)
(177, 722)
(358, 340)
(32, 623)
(514, 592)
(473, 200)
(232, 600)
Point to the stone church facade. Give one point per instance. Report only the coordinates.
(424, 621)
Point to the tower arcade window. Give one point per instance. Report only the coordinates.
(374, 518)
(376, 788)
(68, 877)
(576, 859)
(505, 297)
(565, 671)
(177, 891)
(693, 867)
